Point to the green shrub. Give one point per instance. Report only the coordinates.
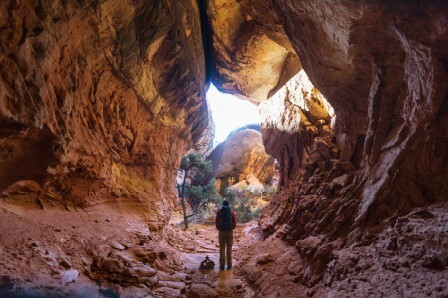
(244, 213)
(197, 195)
(212, 193)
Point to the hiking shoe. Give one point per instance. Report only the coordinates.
(229, 267)
(221, 267)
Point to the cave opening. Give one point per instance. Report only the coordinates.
(241, 171)
(246, 165)
(229, 113)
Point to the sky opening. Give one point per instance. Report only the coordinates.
(229, 113)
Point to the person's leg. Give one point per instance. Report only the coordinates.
(229, 244)
(222, 248)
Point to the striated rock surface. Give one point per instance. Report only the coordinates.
(383, 68)
(386, 78)
(239, 157)
(297, 127)
(99, 100)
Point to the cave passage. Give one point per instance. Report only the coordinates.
(101, 100)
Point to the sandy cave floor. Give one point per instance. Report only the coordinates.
(101, 252)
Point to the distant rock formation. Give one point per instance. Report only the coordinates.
(240, 156)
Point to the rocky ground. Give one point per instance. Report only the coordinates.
(101, 252)
(202, 241)
(406, 257)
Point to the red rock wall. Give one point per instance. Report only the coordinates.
(386, 78)
(99, 100)
(383, 67)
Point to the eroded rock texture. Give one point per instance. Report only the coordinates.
(249, 60)
(99, 99)
(297, 126)
(383, 68)
(239, 157)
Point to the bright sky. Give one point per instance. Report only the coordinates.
(229, 113)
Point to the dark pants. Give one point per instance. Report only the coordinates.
(225, 248)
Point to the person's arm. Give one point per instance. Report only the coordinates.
(218, 218)
(233, 220)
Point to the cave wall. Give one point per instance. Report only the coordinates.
(248, 60)
(383, 68)
(99, 100)
(298, 127)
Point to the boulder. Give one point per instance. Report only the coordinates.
(250, 184)
(167, 292)
(239, 157)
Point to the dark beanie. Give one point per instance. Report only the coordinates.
(225, 203)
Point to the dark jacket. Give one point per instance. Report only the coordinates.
(218, 219)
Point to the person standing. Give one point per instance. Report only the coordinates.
(225, 223)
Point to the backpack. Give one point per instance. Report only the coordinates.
(225, 223)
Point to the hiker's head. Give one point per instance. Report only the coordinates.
(225, 203)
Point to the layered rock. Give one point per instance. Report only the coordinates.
(383, 68)
(241, 155)
(297, 126)
(388, 111)
(99, 100)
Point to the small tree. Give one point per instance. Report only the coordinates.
(192, 163)
(212, 193)
(197, 195)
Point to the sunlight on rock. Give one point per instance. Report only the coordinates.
(295, 104)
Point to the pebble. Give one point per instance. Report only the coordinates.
(69, 276)
(117, 245)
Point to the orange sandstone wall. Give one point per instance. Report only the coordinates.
(99, 100)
